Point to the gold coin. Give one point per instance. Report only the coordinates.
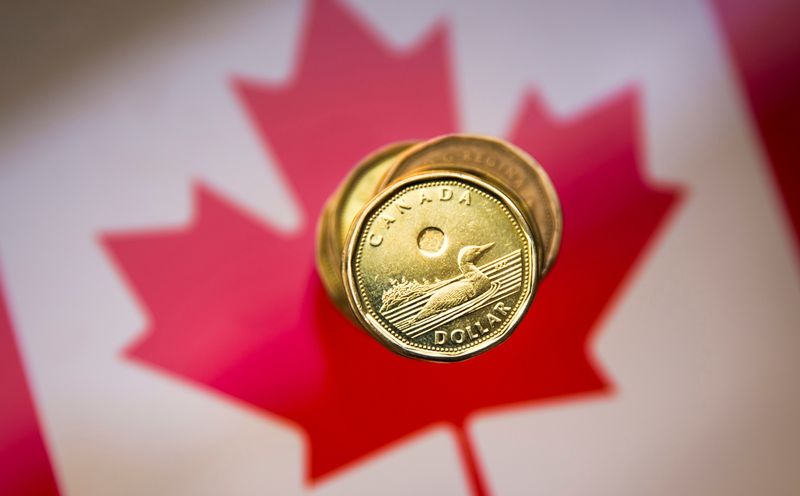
(338, 214)
(500, 162)
(441, 266)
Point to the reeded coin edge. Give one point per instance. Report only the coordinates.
(327, 269)
(550, 191)
(383, 331)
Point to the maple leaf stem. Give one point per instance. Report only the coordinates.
(471, 461)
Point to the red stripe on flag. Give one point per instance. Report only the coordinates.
(764, 41)
(24, 465)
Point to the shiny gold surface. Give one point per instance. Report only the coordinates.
(441, 266)
(500, 163)
(437, 248)
(359, 188)
(329, 264)
(338, 214)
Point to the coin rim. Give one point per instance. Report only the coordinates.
(329, 250)
(355, 176)
(327, 270)
(549, 256)
(387, 338)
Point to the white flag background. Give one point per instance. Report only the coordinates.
(111, 115)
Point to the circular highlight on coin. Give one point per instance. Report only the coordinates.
(432, 241)
(441, 266)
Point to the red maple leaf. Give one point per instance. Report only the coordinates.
(236, 306)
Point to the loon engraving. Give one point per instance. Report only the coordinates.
(468, 287)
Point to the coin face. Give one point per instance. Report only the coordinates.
(499, 162)
(441, 266)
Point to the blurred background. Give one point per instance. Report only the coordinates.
(162, 165)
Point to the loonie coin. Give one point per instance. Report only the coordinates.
(338, 214)
(499, 162)
(441, 266)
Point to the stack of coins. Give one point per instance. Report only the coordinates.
(437, 248)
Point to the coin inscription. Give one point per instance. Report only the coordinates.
(494, 160)
(338, 214)
(441, 266)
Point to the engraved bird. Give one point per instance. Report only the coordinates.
(468, 287)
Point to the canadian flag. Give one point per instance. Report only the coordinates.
(163, 329)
